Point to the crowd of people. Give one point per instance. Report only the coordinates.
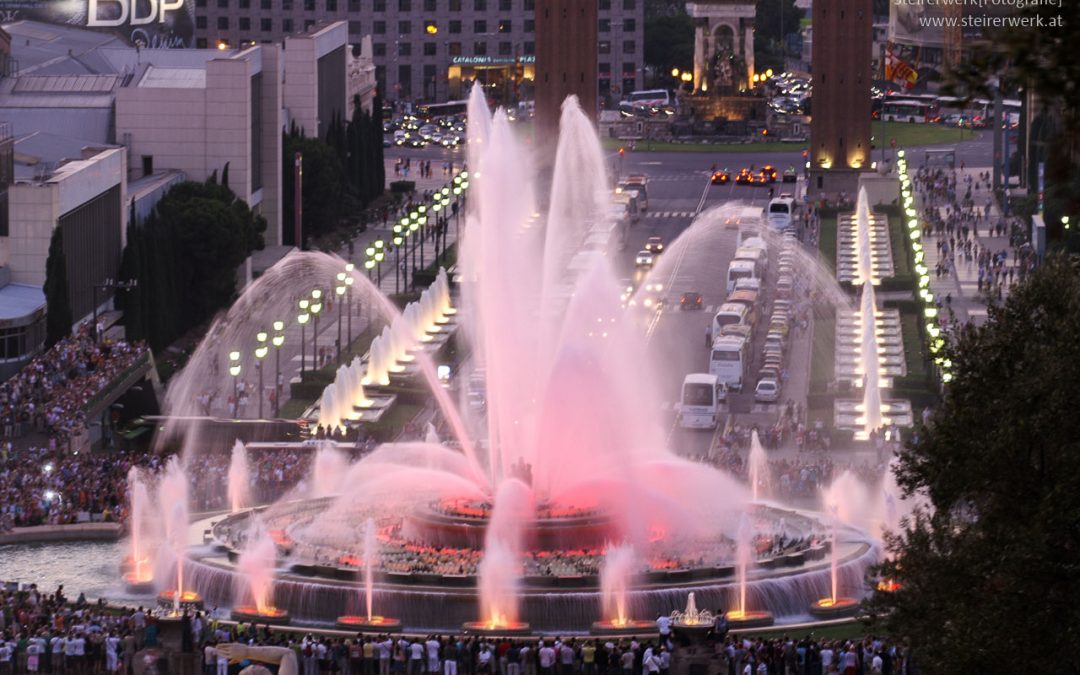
(48, 633)
(50, 393)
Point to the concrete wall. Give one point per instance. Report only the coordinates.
(228, 122)
(273, 72)
(34, 208)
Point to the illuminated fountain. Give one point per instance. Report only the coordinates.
(370, 621)
(616, 577)
(692, 621)
(758, 465)
(173, 505)
(256, 567)
(741, 617)
(239, 478)
(844, 499)
(863, 248)
(344, 400)
(139, 577)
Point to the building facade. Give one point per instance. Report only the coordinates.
(840, 126)
(429, 50)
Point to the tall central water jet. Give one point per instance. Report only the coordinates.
(139, 578)
(871, 405)
(256, 566)
(863, 245)
(742, 616)
(173, 503)
(370, 620)
(845, 498)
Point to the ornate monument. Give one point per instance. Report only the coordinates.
(723, 45)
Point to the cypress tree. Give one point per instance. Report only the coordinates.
(58, 317)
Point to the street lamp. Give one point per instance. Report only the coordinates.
(340, 290)
(277, 341)
(302, 319)
(315, 307)
(260, 354)
(349, 281)
(234, 370)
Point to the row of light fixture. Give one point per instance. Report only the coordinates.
(930, 310)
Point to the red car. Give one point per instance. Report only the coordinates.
(691, 301)
(721, 178)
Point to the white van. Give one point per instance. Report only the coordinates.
(728, 360)
(702, 394)
(781, 213)
(740, 269)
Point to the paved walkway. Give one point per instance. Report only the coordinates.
(959, 280)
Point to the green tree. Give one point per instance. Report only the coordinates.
(323, 187)
(58, 317)
(773, 20)
(990, 575)
(669, 43)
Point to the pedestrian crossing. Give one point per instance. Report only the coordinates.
(669, 214)
(677, 177)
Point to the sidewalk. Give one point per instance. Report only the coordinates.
(961, 280)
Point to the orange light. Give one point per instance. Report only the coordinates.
(431, 29)
(622, 151)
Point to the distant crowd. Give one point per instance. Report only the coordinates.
(50, 393)
(48, 633)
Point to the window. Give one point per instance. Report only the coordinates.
(404, 5)
(331, 5)
(455, 5)
(404, 49)
(431, 28)
(506, 26)
(629, 25)
(404, 84)
(629, 69)
(605, 5)
(200, 43)
(356, 28)
(200, 3)
(629, 46)
(286, 25)
(266, 4)
(506, 48)
(604, 69)
(200, 21)
(530, 25)
(480, 5)
(354, 5)
(378, 48)
(286, 5)
(378, 6)
(245, 4)
(429, 49)
(266, 25)
(629, 4)
(223, 4)
(480, 26)
(309, 5)
(245, 23)
(455, 26)
(308, 24)
(480, 49)
(379, 28)
(505, 5)
(530, 5)
(605, 25)
(530, 48)
(404, 27)
(430, 80)
(455, 49)
(223, 23)
(430, 5)
(605, 46)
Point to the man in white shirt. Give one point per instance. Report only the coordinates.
(432, 648)
(386, 648)
(111, 644)
(547, 659)
(416, 658)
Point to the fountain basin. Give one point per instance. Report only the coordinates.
(738, 620)
(829, 608)
(138, 585)
(623, 628)
(488, 629)
(372, 624)
(271, 615)
(188, 600)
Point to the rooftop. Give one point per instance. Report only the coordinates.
(18, 301)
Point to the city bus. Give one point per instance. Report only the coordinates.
(700, 404)
(729, 359)
(781, 213)
(432, 110)
(908, 111)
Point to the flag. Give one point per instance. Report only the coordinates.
(899, 71)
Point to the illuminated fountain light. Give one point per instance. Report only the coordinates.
(344, 400)
(256, 576)
(139, 577)
(369, 621)
(616, 577)
(742, 616)
(863, 248)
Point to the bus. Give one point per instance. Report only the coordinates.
(432, 110)
(651, 101)
(740, 269)
(908, 111)
(729, 359)
(700, 404)
(781, 213)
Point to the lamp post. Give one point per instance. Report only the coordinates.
(340, 291)
(109, 285)
(370, 253)
(234, 370)
(277, 341)
(398, 240)
(379, 256)
(302, 319)
(315, 307)
(260, 354)
(349, 281)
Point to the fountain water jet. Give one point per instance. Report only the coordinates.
(616, 578)
(845, 498)
(369, 621)
(239, 478)
(173, 505)
(871, 407)
(741, 616)
(865, 266)
(758, 464)
(139, 578)
(256, 567)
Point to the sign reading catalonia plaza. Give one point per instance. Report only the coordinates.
(490, 60)
(147, 23)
